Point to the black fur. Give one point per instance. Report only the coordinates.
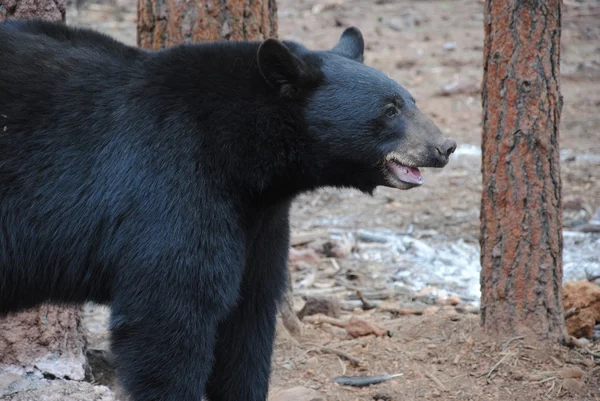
(160, 184)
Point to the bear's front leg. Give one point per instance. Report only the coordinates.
(245, 340)
(164, 323)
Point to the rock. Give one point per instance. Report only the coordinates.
(332, 5)
(469, 309)
(405, 64)
(324, 305)
(358, 327)
(58, 390)
(572, 385)
(574, 202)
(295, 394)
(338, 248)
(578, 342)
(432, 310)
(450, 46)
(454, 300)
(396, 24)
(571, 372)
(584, 296)
(588, 363)
(428, 296)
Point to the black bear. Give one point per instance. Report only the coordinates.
(160, 183)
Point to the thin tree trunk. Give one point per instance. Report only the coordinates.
(521, 218)
(52, 10)
(289, 317)
(164, 23)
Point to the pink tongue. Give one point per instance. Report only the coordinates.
(411, 175)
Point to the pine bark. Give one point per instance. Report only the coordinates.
(164, 23)
(521, 219)
(52, 10)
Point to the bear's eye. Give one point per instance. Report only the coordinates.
(391, 111)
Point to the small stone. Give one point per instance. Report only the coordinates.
(454, 300)
(312, 362)
(450, 46)
(572, 385)
(396, 24)
(320, 7)
(431, 310)
(427, 295)
(358, 327)
(589, 363)
(571, 372)
(573, 202)
(324, 305)
(339, 249)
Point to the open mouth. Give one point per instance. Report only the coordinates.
(404, 173)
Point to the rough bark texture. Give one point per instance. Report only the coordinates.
(164, 23)
(53, 10)
(521, 218)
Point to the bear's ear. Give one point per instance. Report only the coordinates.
(351, 45)
(278, 65)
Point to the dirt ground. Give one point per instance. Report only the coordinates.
(430, 46)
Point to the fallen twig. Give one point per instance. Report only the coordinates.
(547, 379)
(355, 361)
(319, 319)
(507, 343)
(307, 237)
(434, 379)
(496, 365)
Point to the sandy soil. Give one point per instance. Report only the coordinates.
(427, 45)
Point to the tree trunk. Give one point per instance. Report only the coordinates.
(47, 340)
(52, 10)
(164, 23)
(521, 218)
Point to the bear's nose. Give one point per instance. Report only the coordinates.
(447, 148)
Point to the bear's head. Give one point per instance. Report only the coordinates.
(367, 128)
